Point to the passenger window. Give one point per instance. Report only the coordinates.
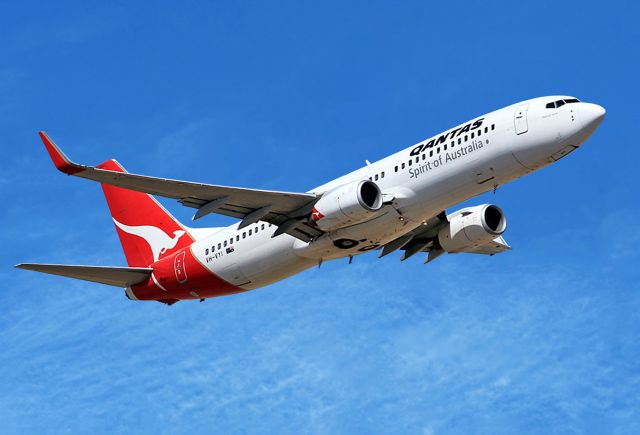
(445, 147)
(396, 169)
(213, 248)
(431, 153)
(486, 130)
(238, 238)
(250, 232)
(493, 126)
(370, 179)
(410, 162)
(206, 251)
(417, 159)
(231, 241)
(466, 137)
(453, 143)
(382, 175)
(244, 234)
(438, 150)
(262, 228)
(376, 177)
(472, 135)
(479, 132)
(402, 165)
(424, 156)
(225, 243)
(459, 140)
(256, 230)
(219, 246)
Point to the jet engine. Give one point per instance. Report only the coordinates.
(472, 227)
(348, 204)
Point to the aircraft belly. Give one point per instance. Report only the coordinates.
(362, 237)
(271, 261)
(279, 270)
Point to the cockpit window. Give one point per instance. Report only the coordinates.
(561, 103)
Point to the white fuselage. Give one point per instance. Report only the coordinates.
(418, 183)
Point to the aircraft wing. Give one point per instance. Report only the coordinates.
(115, 276)
(287, 210)
(423, 237)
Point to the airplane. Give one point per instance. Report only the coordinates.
(397, 203)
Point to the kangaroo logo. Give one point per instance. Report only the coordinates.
(158, 240)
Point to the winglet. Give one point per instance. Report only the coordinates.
(61, 161)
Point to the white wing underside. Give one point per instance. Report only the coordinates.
(495, 246)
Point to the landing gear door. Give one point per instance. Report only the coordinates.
(520, 119)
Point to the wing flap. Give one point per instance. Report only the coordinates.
(115, 276)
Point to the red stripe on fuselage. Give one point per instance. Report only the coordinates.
(197, 281)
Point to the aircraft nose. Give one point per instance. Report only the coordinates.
(591, 115)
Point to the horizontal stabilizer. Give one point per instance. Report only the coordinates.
(115, 276)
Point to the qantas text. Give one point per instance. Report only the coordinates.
(456, 132)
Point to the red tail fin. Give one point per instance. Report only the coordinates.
(146, 230)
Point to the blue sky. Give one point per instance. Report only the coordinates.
(288, 95)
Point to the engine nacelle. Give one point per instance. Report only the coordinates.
(472, 227)
(347, 205)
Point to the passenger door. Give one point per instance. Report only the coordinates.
(521, 119)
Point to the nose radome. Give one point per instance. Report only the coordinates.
(591, 115)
